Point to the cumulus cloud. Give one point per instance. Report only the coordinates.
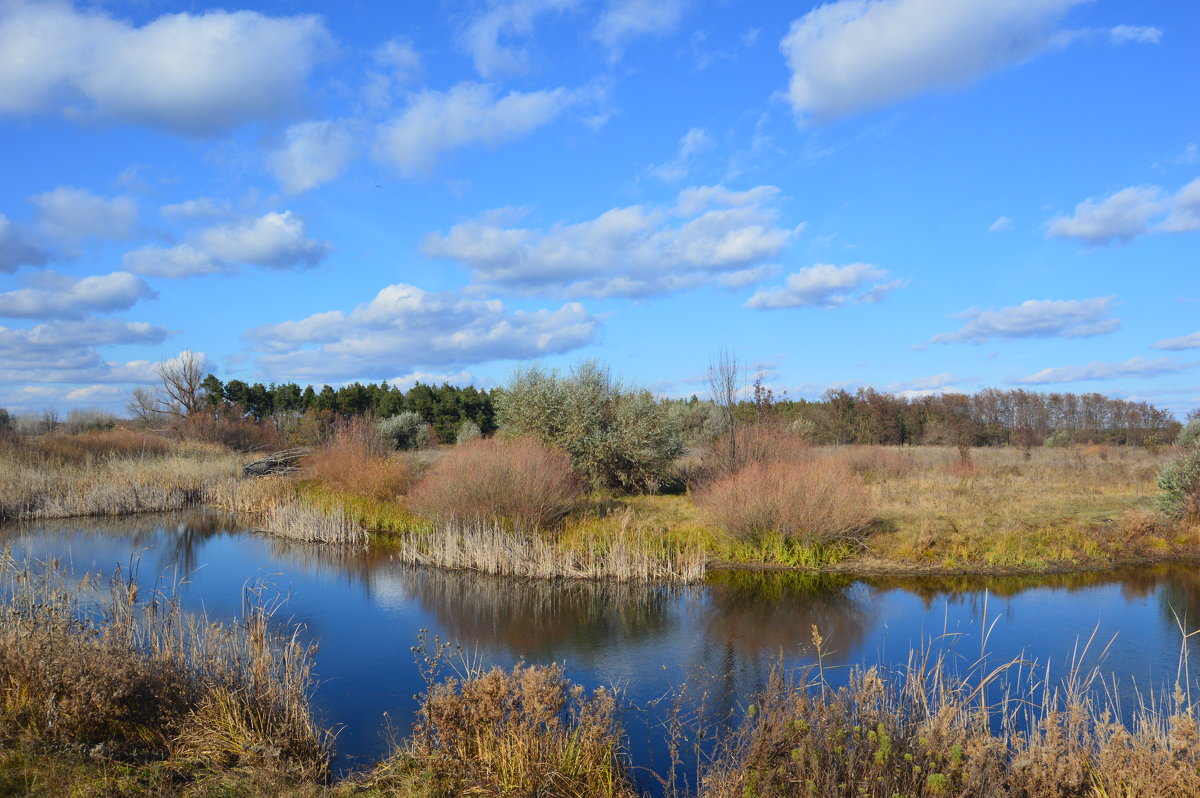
(855, 55)
(622, 20)
(70, 214)
(1183, 342)
(192, 74)
(710, 234)
(828, 286)
(436, 122)
(273, 240)
(1036, 318)
(17, 249)
(693, 142)
(1099, 370)
(482, 36)
(1128, 213)
(407, 327)
(179, 261)
(64, 351)
(53, 296)
(312, 153)
(199, 208)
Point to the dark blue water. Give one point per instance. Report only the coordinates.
(365, 613)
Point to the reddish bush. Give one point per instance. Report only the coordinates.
(355, 459)
(110, 443)
(230, 428)
(813, 500)
(517, 482)
(761, 442)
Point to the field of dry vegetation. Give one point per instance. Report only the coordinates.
(518, 506)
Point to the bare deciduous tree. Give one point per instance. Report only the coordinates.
(179, 392)
(724, 383)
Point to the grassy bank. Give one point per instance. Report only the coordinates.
(515, 508)
(131, 697)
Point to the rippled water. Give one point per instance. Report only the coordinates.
(365, 613)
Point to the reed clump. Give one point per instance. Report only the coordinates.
(526, 731)
(86, 665)
(499, 551)
(924, 731)
(519, 483)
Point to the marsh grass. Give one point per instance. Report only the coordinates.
(527, 731)
(929, 729)
(132, 677)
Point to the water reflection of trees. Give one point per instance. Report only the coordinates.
(540, 619)
(754, 613)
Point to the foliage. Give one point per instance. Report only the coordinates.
(1058, 439)
(616, 437)
(1189, 436)
(1179, 481)
(515, 482)
(406, 430)
(467, 432)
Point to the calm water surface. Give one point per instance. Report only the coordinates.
(365, 613)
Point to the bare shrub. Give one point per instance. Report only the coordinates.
(813, 501)
(356, 460)
(517, 482)
(759, 443)
(229, 427)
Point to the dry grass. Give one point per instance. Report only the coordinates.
(89, 446)
(878, 463)
(297, 521)
(816, 501)
(1065, 507)
(518, 483)
(81, 665)
(523, 732)
(495, 550)
(33, 486)
(924, 730)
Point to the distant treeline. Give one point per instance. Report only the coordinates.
(991, 417)
(445, 408)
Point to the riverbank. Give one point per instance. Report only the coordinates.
(941, 723)
(932, 510)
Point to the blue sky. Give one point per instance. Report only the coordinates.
(918, 195)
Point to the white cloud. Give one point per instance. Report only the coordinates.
(482, 36)
(710, 234)
(1001, 225)
(1184, 342)
(65, 351)
(312, 153)
(925, 386)
(70, 214)
(855, 55)
(828, 286)
(1136, 34)
(1098, 370)
(407, 327)
(1036, 318)
(693, 142)
(1128, 213)
(462, 378)
(192, 74)
(622, 20)
(436, 122)
(54, 295)
(199, 208)
(398, 64)
(181, 260)
(17, 249)
(274, 240)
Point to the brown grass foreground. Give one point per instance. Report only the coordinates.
(137, 699)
